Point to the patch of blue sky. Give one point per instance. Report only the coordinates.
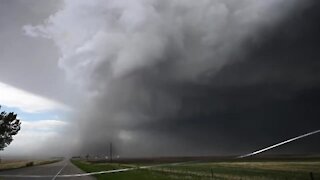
(48, 115)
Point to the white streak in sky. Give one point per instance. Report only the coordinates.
(26, 101)
(279, 144)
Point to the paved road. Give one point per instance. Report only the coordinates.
(45, 172)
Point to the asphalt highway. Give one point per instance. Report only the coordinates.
(45, 172)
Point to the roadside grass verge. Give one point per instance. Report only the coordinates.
(251, 170)
(263, 170)
(137, 174)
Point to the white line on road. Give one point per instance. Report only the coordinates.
(100, 172)
(68, 175)
(92, 173)
(59, 171)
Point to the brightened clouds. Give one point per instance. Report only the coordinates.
(26, 101)
(37, 137)
(41, 126)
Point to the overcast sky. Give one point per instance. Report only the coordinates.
(31, 84)
(201, 77)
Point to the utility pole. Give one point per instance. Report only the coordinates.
(110, 151)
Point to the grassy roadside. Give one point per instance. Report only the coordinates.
(251, 170)
(139, 174)
(14, 164)
(263, 170)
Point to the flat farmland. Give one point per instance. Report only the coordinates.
(14, 164)
(280, 169)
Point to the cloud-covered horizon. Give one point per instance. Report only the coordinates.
(152, 70)
(35, 132)
(33, 138)
(199, 77)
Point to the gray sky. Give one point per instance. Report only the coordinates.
(197, 76)
(32, 84)
(30, 64)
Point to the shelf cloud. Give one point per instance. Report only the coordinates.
(195, 76)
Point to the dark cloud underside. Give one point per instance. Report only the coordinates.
(205, 78)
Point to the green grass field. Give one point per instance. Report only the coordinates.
(260, 170)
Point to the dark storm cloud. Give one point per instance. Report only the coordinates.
(271, 95)
(165, 81)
